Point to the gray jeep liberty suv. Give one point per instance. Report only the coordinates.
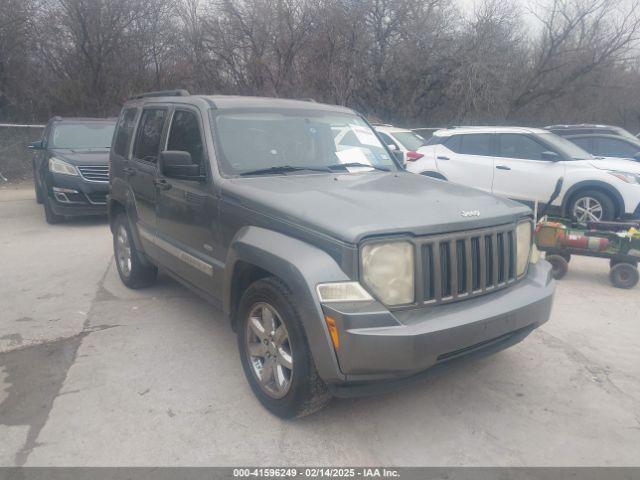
(341, 273)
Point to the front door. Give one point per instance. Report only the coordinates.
(187, 211)
(520, 171)
(141, 171)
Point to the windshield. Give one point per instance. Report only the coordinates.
(252, 141)
(564, 146)
(410, 141)
(78, 136)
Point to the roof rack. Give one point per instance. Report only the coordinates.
(162, 93)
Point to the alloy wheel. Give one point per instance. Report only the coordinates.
(269, 350)
(123, 251)
(587, 209)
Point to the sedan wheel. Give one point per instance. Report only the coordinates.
(588, 209)
(269, 350)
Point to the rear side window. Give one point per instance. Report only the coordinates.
(185, 135)
(514, 145)
(612, 147)
(147, 145)
(124, 132)
(471, 144)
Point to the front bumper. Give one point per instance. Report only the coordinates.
(76, 196)
(377, 345)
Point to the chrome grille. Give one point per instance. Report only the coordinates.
(99, 173)
(461, 265)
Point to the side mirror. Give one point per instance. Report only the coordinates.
(550, 156)
(39, 145)
(178, 164)
(392, 147)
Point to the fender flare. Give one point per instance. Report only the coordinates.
(121, 195)
(301, 267)
(597, 185)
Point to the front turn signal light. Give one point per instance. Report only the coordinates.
(333, 331)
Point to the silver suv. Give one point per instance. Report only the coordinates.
(341, 273)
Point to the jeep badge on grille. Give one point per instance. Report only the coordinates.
(470, 213)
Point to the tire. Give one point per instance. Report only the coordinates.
(132, 271)
(592, 206)
(300, 390)
(39, 195)
(559, 265)
(624, 275)
(50, 216)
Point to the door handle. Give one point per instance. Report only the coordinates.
(129, 171)
(162, 184)
(503, 167)
(440, 157)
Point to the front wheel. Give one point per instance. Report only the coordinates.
(38, 190)
(133, 273)
(592, 206)
(275, 354)
(50, 216)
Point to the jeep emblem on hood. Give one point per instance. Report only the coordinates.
(470, 213)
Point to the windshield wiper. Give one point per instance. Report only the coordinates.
(284, 169)
(356, 164)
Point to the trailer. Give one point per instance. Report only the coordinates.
(619, 242)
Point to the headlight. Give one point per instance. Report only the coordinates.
(388, 271)
(59, 166)
(523, 239)
(626, 177)
(342, 292)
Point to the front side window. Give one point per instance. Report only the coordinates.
(147, 145)
(514, 145)
(612, 147)
(249, 141)
(82, 136)
(185, 135)
(564, 147)
(123, 135)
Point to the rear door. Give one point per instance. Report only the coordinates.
(187, 210)
(467, 159)
(141, 170)
(520, 171)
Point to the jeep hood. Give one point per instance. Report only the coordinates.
(349, 207)
(82, 157)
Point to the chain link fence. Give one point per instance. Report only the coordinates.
(15, 157)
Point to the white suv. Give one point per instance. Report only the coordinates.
(525, 163)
